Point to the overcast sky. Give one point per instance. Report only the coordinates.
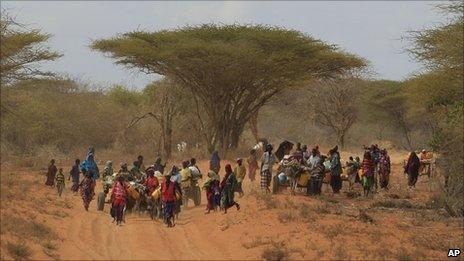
(369, 29)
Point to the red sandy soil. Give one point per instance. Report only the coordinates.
(279, 226)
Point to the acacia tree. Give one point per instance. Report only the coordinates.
(233, 70)
(386, 100)
(334, 106)
(166, 102)
(21, 51)
(440, 49)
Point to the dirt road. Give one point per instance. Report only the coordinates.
(92, 235)
(272, 227)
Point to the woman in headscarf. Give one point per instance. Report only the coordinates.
(368, 168)
(227, 189)
(215, 161)
(211, 186)
(267, 162)
(87, 189)
(168, 197)
(74, 175)
(384, 169)
(108, 170)
(252, 165)
(176, 177)
(89, 165)
(336, 170)
(51, 174)
(158, 166)
(118, 199)
(412, 169)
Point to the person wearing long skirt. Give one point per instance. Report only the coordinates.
(384, 169)
(252, 165)
(368, 167)
(87, 189)
(215, 162)
(336, 170)
(119, 196)
(168, 197)
(51, 174)
(74, 176)
(227, 189)
(412, 169)
(211, 186)
(240, 172)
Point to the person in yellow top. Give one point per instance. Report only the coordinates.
(186, 178)
(240, 172)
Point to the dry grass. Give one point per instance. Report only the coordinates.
(269, 201)
(287, 215)
(340, 252)
(305, 212)
(364, 217)
(256, 242)
(393, 203)
(323, 208)
(277, 251)
(22, 228)
(49, 248)
(18, 251)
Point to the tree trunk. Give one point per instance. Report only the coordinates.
(168, 143)
(254, 126)
(341, 139)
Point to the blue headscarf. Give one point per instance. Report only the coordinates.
(215, 158)
(89, 165)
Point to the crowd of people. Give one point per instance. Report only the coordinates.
(175, 185)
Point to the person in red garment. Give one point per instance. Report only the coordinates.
(51, 174)
(151, 182)
(119, 199)
(211, 186)
(168, 196)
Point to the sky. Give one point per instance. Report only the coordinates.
(370, 29)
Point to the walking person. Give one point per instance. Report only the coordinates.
(74, 176)
(89, 165)
(215, 161)
(60, 181)
(368, 167)
(51, 174)
(157, 166)
(412, 169)
(108, 170)
(240, 172)
(252, 166)
(168, 197)
(211, 187)
(317, 175)
(228, 185)
(186, 182)
(119, 196)
(384, 169)
(87, 189)
(267, 161)
(336, 170)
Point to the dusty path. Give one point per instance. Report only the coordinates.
(92, 235)
(295, 227)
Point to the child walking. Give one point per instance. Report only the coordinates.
(60, 181)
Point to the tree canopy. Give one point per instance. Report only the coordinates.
(21, 50)
(232, 69)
